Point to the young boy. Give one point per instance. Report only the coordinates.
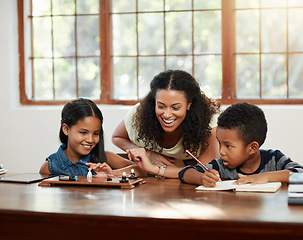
(241, 131)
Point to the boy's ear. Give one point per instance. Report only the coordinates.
(65, 129)
(253, 147)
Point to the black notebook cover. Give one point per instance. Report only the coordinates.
(23, 178)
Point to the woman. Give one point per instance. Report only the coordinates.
(174, 116)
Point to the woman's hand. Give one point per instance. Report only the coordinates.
(140, 157)
(100, 168)
(159, 158)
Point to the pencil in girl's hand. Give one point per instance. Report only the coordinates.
(198, 161)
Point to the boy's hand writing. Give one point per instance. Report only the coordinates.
(210, 179)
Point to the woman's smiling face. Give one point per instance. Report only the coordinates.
(171, 106)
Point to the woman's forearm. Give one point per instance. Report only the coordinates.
(123, 143)
(121, 139)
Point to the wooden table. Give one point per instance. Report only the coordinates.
(158, 209)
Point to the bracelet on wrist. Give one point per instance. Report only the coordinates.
(162, 168)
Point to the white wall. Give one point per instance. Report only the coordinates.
(29, 133)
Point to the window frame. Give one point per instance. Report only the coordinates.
(228, 95)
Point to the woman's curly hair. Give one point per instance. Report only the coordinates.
(195, 127)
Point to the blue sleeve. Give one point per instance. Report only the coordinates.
(284, 162)
(214, 165)
(181, 173)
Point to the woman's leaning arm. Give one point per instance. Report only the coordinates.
(140, 157)
(121, 139)
(120, 164)
(116, 161)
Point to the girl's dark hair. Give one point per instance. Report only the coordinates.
(195, 127)
(78, 109)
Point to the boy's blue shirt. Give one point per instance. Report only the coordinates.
(59, 164)
(271, 160)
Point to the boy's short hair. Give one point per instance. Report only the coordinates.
(248, 119)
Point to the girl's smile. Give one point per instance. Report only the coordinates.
(82, 137)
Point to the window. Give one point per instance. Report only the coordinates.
(62, 58)
(269, 51)
(158, 35)
(110, 50)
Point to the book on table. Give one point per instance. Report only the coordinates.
(296, 178)
(295, 188)
(229, 185)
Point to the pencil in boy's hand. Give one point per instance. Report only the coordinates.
(198, 161)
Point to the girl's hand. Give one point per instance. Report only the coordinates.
(210, 179)
(100, 168)
(252, 179)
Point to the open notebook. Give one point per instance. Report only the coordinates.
(228, 185)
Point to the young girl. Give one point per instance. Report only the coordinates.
(82, 148)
